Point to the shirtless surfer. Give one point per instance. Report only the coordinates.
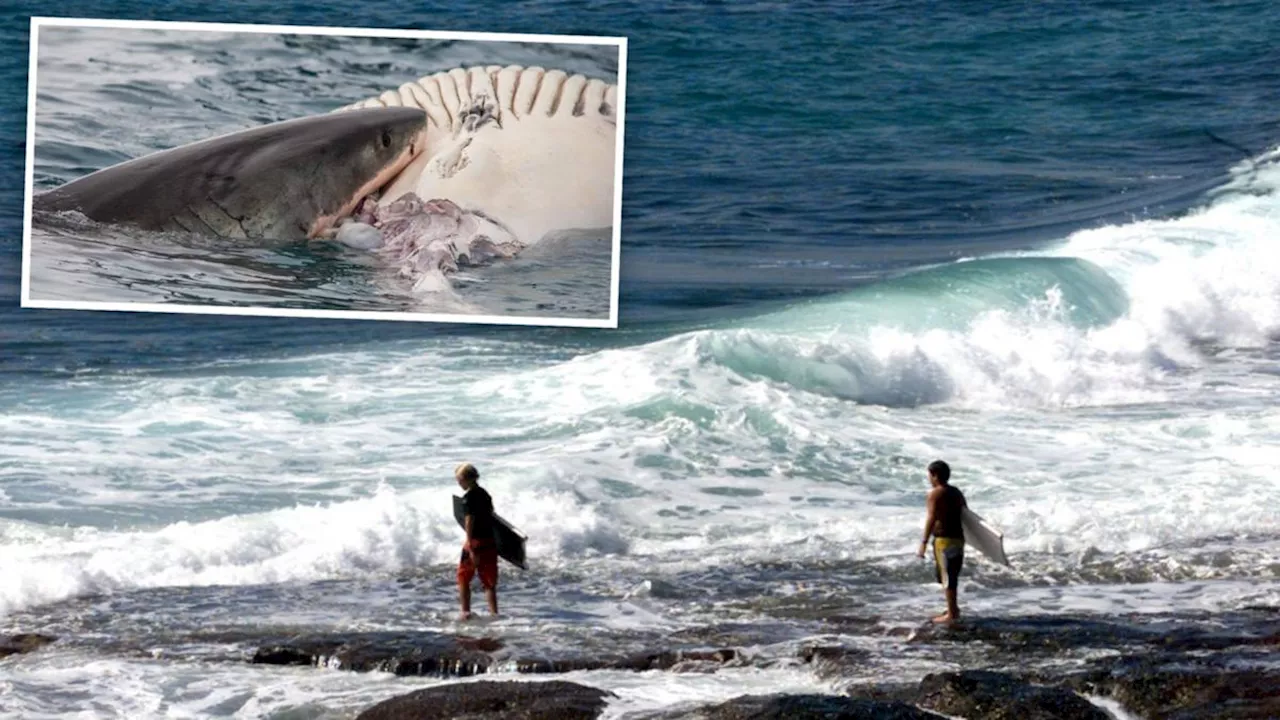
(943, 522)
(480, 550)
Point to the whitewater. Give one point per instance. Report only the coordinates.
(1107, 400)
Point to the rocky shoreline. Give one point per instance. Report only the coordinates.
(1180, 687)
(1198, 666)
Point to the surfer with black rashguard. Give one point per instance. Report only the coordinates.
(480, 550)
(944, 515)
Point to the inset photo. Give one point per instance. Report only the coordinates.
(324, 172)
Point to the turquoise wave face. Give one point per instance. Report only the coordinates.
(950, 297)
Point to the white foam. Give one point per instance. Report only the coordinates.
(1154, 598)
(383, 533)
(761, 471)
(646, 692)
(1212, 276)
(1115, 709)
(1050, 481)
(60, 683)
(697, 449)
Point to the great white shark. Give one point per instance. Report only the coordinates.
(455, 168)
(288, 180)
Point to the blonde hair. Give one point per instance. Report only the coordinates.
(466, 471)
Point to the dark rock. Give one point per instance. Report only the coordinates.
(1188, 666)
(663, 660)
(1186, 687)
(820, 653)
(284, 655)
(830, 661)
(401, 654)
(670, 658)
(554, 700)
(862, 625)
(676, 660)
(1055, 634)
(986, 695)
(738, 634)
(545, 666)
(1262, 608)
(457, 656)
(23, 643)
(799, 707)
(906, 693)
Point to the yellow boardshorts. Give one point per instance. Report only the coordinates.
(948, 560)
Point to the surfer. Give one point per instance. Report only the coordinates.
(480, 551)
(943, 521)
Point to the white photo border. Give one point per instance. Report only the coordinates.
(34, 53)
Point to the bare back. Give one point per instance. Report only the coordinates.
(948, 501)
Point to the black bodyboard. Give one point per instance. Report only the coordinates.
(510, 541)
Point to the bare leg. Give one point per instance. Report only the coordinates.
(464, 597)
(492, 594)
(953, 608)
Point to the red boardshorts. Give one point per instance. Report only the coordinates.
(487, 558)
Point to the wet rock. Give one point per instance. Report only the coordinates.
(800, 707)
(671, 658)
(1207, 657)
(906, 693)
(733, 634)
(401, 654)
(832, 661)
(676, 660)
(554, 700)
(1189, 666)
(285, 655)
(1189, 687)
(459, 656)
(23, 643)
(986, 695)
(820, 653)
(858, 624)
(1055, 634)
(695, 660)
(545, 666)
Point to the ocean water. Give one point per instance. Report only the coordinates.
(1039, 242)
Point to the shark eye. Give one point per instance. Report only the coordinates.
(386, 138)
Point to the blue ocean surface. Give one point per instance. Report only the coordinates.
(1038, 241)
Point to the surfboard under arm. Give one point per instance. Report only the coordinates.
(509, 540)
(982, 535)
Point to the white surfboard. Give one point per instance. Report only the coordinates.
(982, 535)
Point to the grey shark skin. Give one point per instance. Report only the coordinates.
(288, 180)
